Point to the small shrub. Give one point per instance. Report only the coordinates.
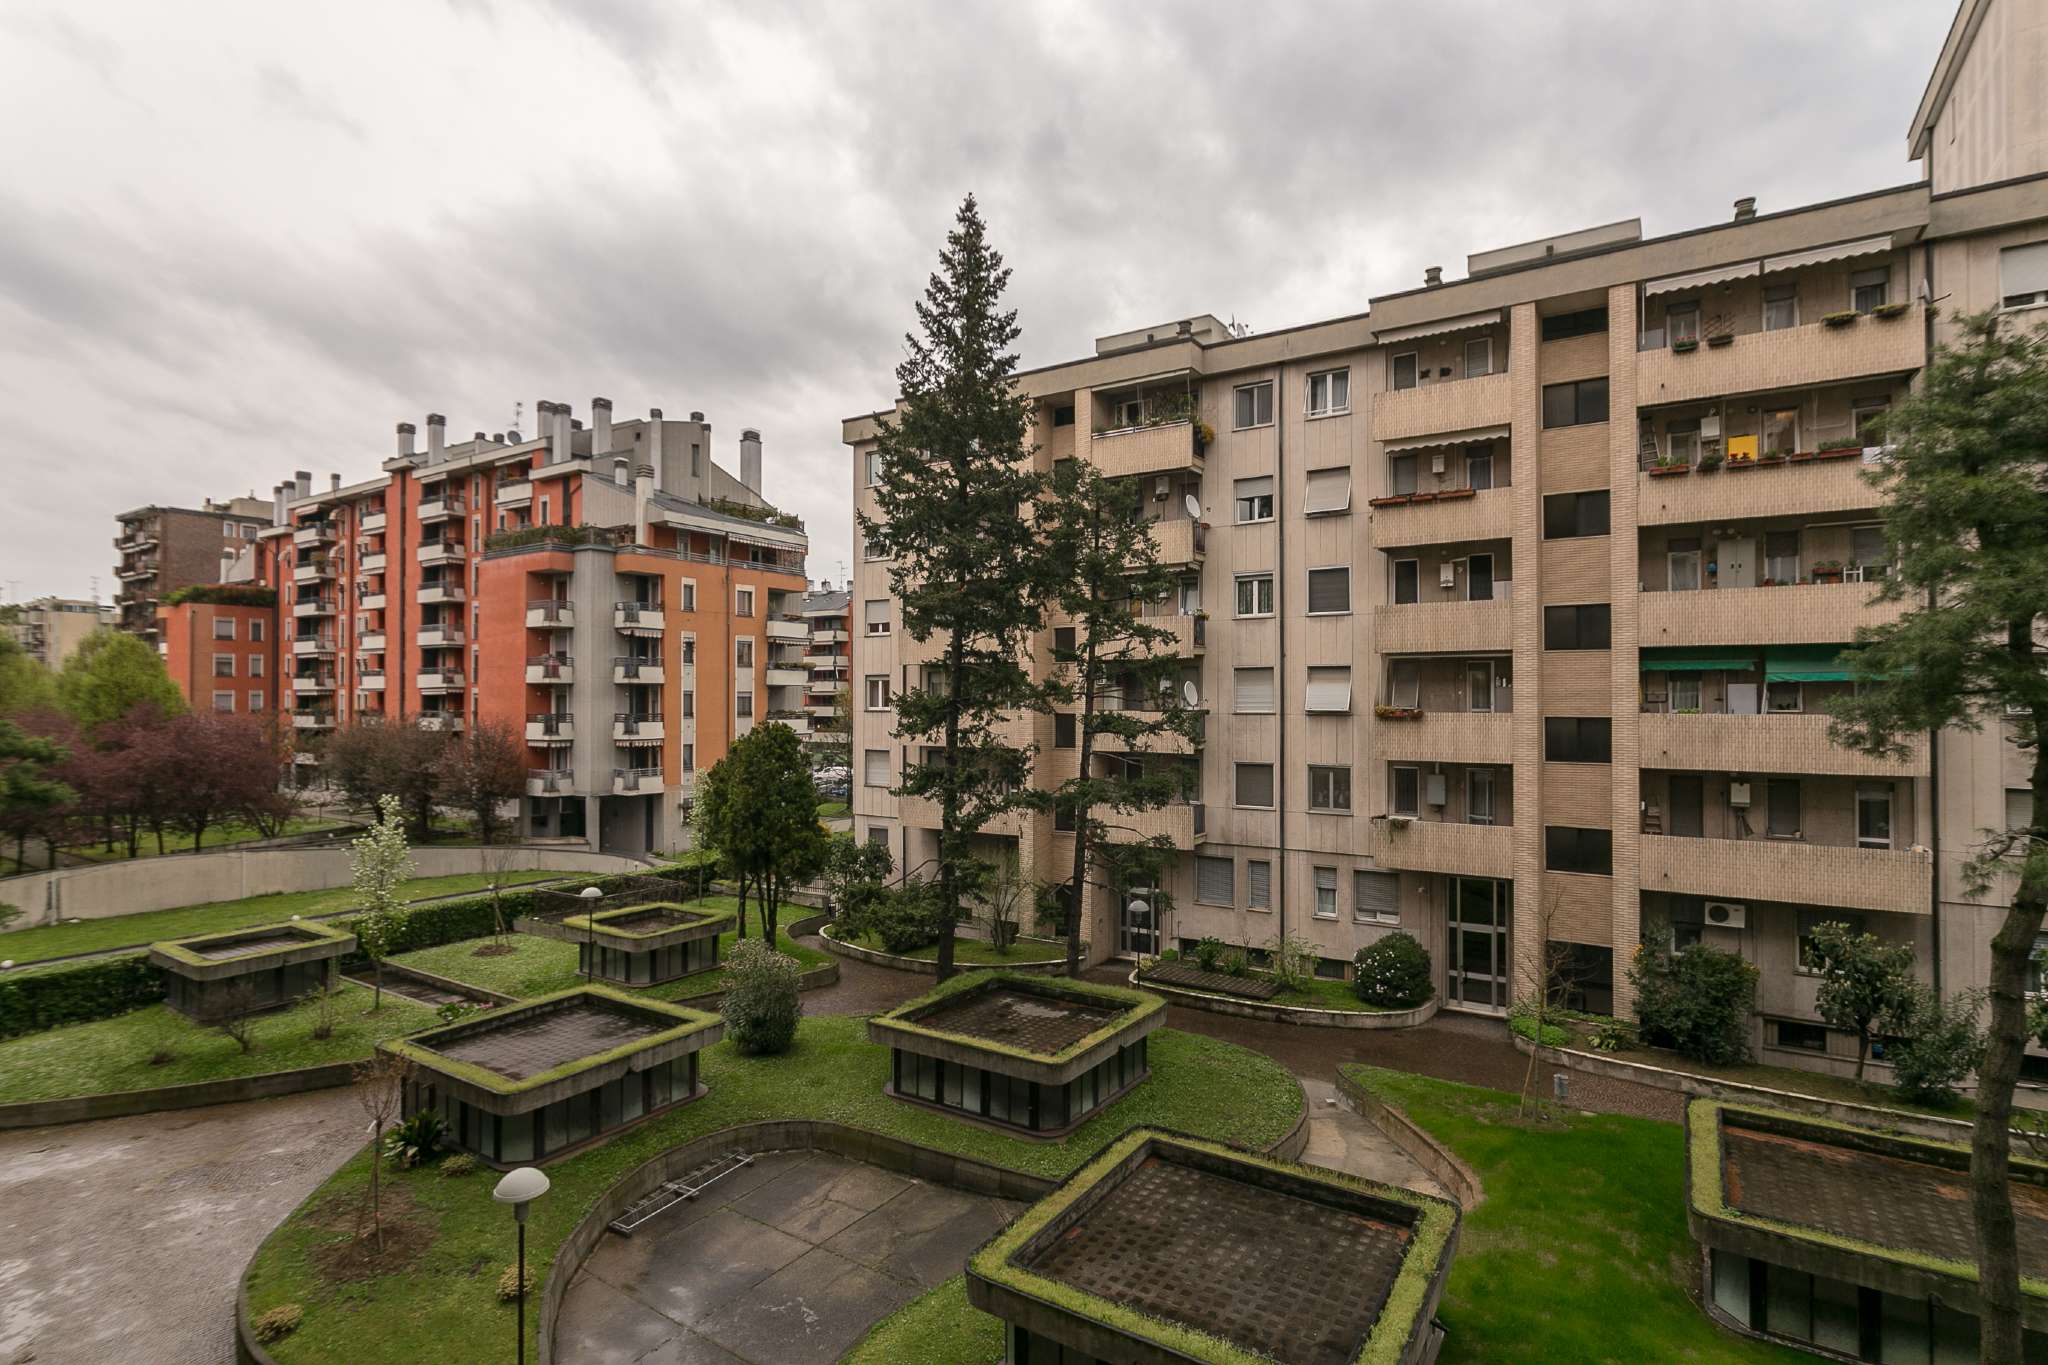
(1696, 1001)
(455, 1009)
(457, 1166)
(763, 998)
(1522, 1023)
(1292, 961)
(326, 1004)
(1234, 963)
(1393, 972)
(1940, 1049)
(1612, 1035)
(1208, 953)
(279, 1323)
(415, 1141)
(899, 919)
(509, 1284)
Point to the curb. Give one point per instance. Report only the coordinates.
(1439, 1161)
(895, 963)
(1306, 1016)
(117, 1104)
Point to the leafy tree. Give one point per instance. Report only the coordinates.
(1696, 1001)
(1966, 514)
(766, 816)
(763, 998)
(1007, 892)
(956, 479)
(1866, 984)
(1123, 674)
(228, 768)
(28, 791)
(380, 1091)
(1938, 1047)
(25, 685)
(110, 675)
(482, 771)
(380, 863)
(711, 817)
(371, 760)
(855, 871)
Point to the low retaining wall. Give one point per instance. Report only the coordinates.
(813, 978)
(180, 879)
(1304, 1015)
(917, 964)
(394, 972)
(1460, 1181)
(192, 1095)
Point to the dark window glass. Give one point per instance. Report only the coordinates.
(1566, 515)
(1063, 640)
(1812, 1037)
(1569, 849)
(1407, 581)
(1063, 415)
(1586, 627)
(1578, 739)
(1585, 322)
(1571, 405)
(1063, 730)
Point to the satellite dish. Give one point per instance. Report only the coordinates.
(1189, 694)
(1194, 506)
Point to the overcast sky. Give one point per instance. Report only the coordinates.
(242, 239)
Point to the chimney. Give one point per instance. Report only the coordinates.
(334, 483)
(600, 426)
(405, 440)
(481, 438)
(305, 480)
(654, 448)
(437, 438)
(698, 418)
(561, 446)
(1745, 208)
(1433, 276)
(280, 494)
(750, 459)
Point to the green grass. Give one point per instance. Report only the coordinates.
(539, 966)
(1319, 994)
(939, 1327)
(976, 952)
(833, 810)
(129, 931)
(113, 1054)
(1580, 1251)
(221, 836)
(448, 1296)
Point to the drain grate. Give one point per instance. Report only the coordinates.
(674, 1192)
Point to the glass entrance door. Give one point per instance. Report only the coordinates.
(1137, 930)
(1477, 931)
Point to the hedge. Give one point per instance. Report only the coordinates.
(97, 989)
(453, 921)
(224, 595)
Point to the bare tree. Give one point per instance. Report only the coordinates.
(1008, 895)
(238, 1023)
(1542, 979)
(380, 1091)
(495, 862)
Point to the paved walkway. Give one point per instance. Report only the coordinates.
(124, 1239)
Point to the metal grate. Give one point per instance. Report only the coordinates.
(674, 1192)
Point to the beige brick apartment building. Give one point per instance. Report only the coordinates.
(1518, 596)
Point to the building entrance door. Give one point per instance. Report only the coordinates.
(1137, 924)
(1478, 929)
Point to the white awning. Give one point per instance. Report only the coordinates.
(1841, 251)
(1448, 438)
(1699, 279)
(1461, 323)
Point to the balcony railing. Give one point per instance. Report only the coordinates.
(370, 642)
(431, 594)
(442, 506)
(310, 683)
(550, 727)
(638, 618)
(1447, 736)
(1146, 450)
(313, 533)
(1180, 541)
(374, 562)
(626, 781)
(511, 492)
(1446, 846)
(631, 728)
(1773, 742)
(439, 680)
(1446, 517)
(373, 522)
(313, 644)
(319, 606)
(1803, 613)
(442, 552)
(370, 679)
(440, 637)
(312, 570)
(445, 721)
(633, 669)
(550, 613)
(557, 670)
(549, 781)
(1446, 627)
(1787, 870)
(1786, 358)
(313, 720)
(1443, 407)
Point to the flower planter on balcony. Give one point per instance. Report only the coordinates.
(1799, 456)
(1722, 339)
(1888, 310)
(1398, 712)
(1770, 459)
(1449, 494)
(1737, 466)
(1839, 453)
(1840, 319)
(1659, 471)
(1682, 347)
(1396, 500)
(1709, 463)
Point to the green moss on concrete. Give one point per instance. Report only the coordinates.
(603, 923)
(189, 950)
(1135, 1005)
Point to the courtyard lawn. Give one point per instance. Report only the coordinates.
(833, 810)
(221, 836)
(134, 931)
(1579, 1252)
(536, 965)
(938, 1327)
(440, 1301)
(975, 952)
(114, 1054)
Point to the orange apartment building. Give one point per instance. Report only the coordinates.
(221, 647)
(608, 592)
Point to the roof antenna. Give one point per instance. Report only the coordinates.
(519, 415)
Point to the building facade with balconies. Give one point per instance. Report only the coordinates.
(1524, 596)
(163, 549)
(828, 665)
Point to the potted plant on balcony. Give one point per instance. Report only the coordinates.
(1682, 345)
(1840, 448)
(1799, 456)
(1666, 465)
(1710, 462)
(1828, 571)
(1771, 457)
(1398, 712)
(1723, 337)
(1843, 318)
(1391, 500)
(1888, 310)
(1449, 494)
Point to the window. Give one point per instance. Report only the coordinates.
(1254, 499)
(1329, 790)
(223, 665)
(1682, 323)
(2019, 808)
(1255, 594)
(223, 701)
(1781, 556)
(1252, 691)
(1258, 884)
(1682, 440)
(1126, 412)
(255, 665)
(1255, 785)
(689, 594)
(1329, 689)
(223, 627)
(1578, 739)
(1566, 515)
(743, 705)
(743, 652)
(1065, 642)
(1576, 404)
(878, 835)
(1479, 796)
(1329, 393)
(256, 700)
(689, 649)
(1404, 682)
(1782, 796)
(689, 758)
(1780, 431)
(1401, 475)
(1585, 322)
(689, 704)
(1479, 466)
(874, 467)
(1478, 357)
(255, 632)
(1063, 415)
(1252, 405)
(1585, 627)
(1873, 815)
(1479, 679)
(1376, 897)
(1329, 491)
(1215, 881)
(1781, 307)
(877, 691)
(1785, 698)
(1406, 370)
(696, 460)
(1868, 288)
(1326, 893)
(2023, 275)
(1404, 790)
(874, 770)
(743, 602)
(1568, 849)
(1682, 563)
(876, 614)
(1407, 581)
(1805, 1037)
(1329, 591)
(1064, 730)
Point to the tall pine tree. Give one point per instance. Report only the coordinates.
(1966, 513)
(953, 502)
(1122, 675)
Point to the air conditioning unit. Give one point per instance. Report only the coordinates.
(1727, 914)
(1738, 795)
(1447, 575)
(1710, 427)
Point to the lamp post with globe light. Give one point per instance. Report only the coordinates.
(520, 1188)
(591, 896)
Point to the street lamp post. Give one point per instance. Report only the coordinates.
(519, 1189)
(591, 896)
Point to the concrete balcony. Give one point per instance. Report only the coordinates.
(638, 618)
(312, 720)
(1181, 542)
(442, 593)
(370, 679)
(631, 729)
(1798, 614)
(312, 684)
(370, 642)
(439, 637)
(1443, 627)
(1183, 822)
(441, 505)
(374, 562)
(1447, 737)
(1437, 519)
(1443, 408)
(549, 614)
(1791, 357)
(1772, 743)
(1787, 870)
(512, 493)
(1156, 744)
(1190, 633)
(136, 569)
(830, 637)
(635, 781)
(795, 720)
(789, 629)
(313, 570)
(779, 675)
(1442, 846)
(1826, 482)
(313, 646)
(820, 710)
(373, 522)
(629, 670)
(550, 670)
(324, 606)
(445, 722)
(372, 601)
(1146, 450)
(921, 812)
(439, 680)
(549, 728)
(442, 552)
(549, 781)
(314, 533)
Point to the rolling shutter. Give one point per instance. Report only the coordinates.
(1258, 885)
(1329, 490)
(875, 768)
(1329, 590)
(1329, 689)
(1254, 691)
(1376, 895)
(1215, 881)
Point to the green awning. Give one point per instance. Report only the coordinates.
(1806, 663)
(1698, 660)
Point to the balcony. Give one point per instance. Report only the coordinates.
(1443, 518)
(548, 728)
(373, 522)
(631, 781)
(1769, 743)
(1180, 541)
(631, 729)
(638, 618)
(1155, 744)
(312, 684)
(370, 679)
(783, 675)
(313, 720)
(137, 568)
(313, 570)
(1787, 870)
(1447, 737)
(440, 637)
(830, 637)
(1790, 357)
(1146, 450)
(550, 670)
(439, 680)
(1443, 408)
(312, 533)
(637, 670)
(1444, 627)
(313, 646)
(1817, 481)
(370, 642)
(1442, 846)
(434, 594)
(549, 781)
(319, 606)
(441, 505)
(820, 710)
(374, 562)
(547, 613)
(444, 722)
(512, 493)
(1796, 614)
(1183, 822)
(442, 552)
(787, 629)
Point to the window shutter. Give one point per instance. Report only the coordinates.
(1376, 895)
(1329, 689)
(1215, 881)
(1254, 691)
(1255, 784)
(2023, 270)
(1260, 487)
(876, 768)
(1329, 590)
(877, 612)
(1258, 885)
(1329, 490)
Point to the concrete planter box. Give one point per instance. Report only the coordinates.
(1305, 1015)
(270, 966)
(644, 945)
(897, 963)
